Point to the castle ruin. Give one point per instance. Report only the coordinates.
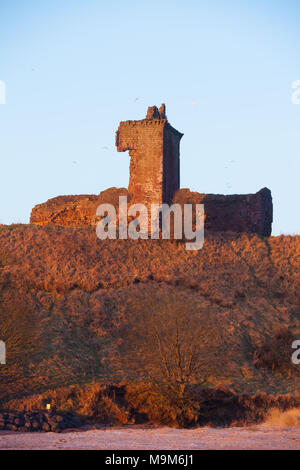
(153, 146)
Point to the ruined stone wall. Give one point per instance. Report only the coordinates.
(171, 163)
(75, 211)
(144, 140)
(250, 213)
(153, 146)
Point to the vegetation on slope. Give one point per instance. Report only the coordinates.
(69, 302)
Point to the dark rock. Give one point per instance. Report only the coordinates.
(35, 425)
(38, 421)
(19, 421)
(45, 427)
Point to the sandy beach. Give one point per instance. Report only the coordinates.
(137, 438)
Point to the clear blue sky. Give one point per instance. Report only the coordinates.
(73, 69)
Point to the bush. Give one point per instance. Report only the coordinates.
(276, 353)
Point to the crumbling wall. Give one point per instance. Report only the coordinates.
(250, 213)
(144, 140)
(153, 146)
(171, 163)
(74, 211)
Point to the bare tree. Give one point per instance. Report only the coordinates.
(161, 342)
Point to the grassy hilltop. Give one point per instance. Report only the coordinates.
(65, 295)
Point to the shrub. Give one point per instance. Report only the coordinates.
(276, 352)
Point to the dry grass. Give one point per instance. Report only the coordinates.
(146, 403)
(275, 353)
(285, 419)
(77, 289)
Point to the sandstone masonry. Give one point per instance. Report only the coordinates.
(153, 146)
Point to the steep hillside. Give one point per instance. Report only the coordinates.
(63, 291)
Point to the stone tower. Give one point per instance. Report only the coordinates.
(153, 146)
